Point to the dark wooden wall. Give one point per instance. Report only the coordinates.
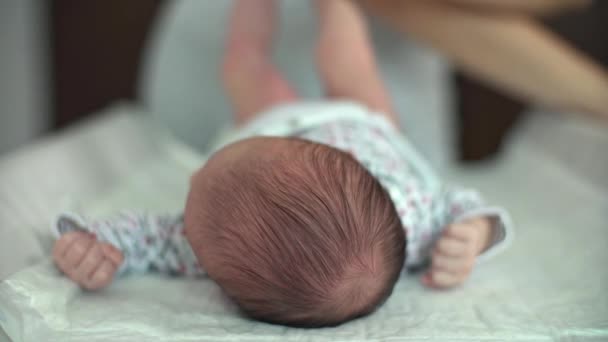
(97, 45)
(96, 48)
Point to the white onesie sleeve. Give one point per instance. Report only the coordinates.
(148, 242)
(429, 213)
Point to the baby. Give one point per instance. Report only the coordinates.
(309, 215)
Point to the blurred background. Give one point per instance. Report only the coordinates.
(62, 60)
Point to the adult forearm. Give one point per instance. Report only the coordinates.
(509, 51)
(540, 7)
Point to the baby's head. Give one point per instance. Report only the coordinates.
(296, 233)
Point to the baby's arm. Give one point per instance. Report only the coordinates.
(455, 229)
(130, 242)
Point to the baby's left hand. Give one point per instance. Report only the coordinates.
(454, 254)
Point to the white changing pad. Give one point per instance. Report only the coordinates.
(549, 286)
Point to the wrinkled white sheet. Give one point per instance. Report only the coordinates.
(549, 286)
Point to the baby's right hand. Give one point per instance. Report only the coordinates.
(88, 262)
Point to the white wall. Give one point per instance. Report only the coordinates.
(24, 94)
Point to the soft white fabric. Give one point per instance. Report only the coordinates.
(550, 285)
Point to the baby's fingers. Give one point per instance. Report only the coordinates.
(72, 255)
(65, 242)
(453, 265)
(89, 264)
(452, 247)
(112, 253)
(441, 280)
(447, 271)
(460, 231)
(101, 277)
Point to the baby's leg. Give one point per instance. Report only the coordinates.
(345, 57)
(250, 79)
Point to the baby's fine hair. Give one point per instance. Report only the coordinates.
(308, 239)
